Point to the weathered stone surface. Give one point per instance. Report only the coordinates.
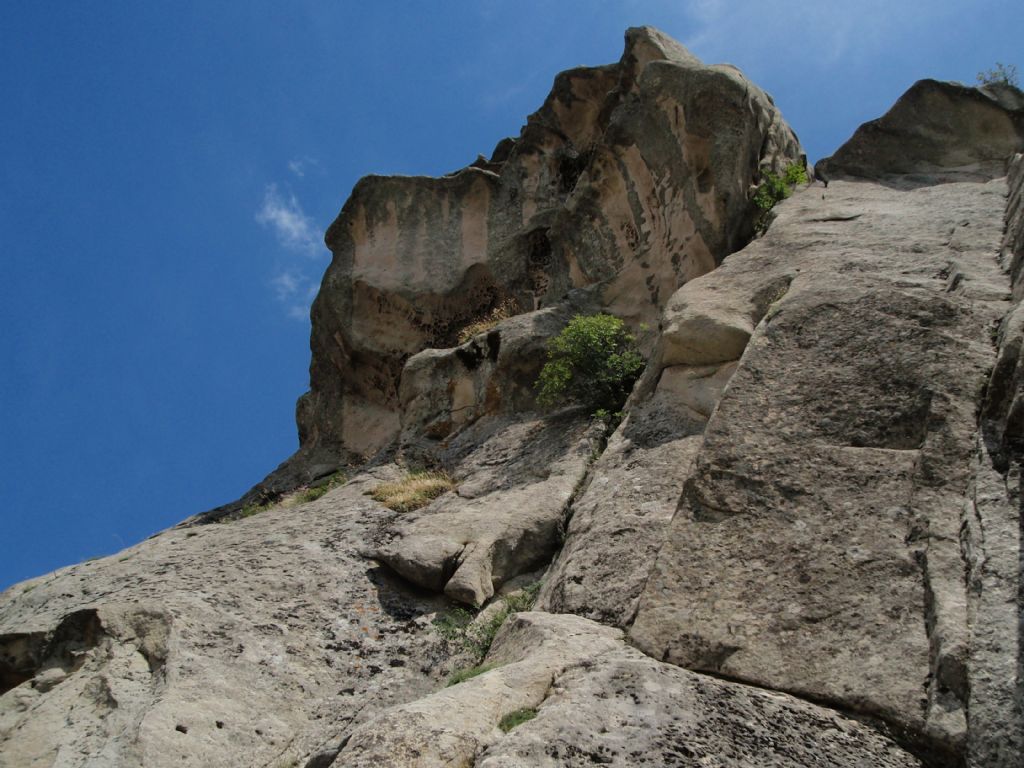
(249, 643)
(814, 495)
(815, 549)
(991, 535)
(618, 520)
(451, 726)
(634, 176)
(600, 702)
(515, 479)
(947, 130)
(443, 391)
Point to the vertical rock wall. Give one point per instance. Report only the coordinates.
(634, 177)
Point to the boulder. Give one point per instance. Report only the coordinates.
(939, 129)
(515, 479)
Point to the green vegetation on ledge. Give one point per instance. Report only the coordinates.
(593, 361)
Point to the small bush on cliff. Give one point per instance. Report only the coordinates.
(1001, 73)
(315, 492)
(593, 361)
(775, 188)
(475, 633)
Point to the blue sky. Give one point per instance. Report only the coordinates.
(168, 169)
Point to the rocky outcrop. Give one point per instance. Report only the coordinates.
(515, 480)
(815, 548)
(256, 642)
(634, 177)
(936, 131)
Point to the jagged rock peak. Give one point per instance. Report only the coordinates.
(936, 131)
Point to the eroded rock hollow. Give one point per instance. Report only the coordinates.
(800, 546)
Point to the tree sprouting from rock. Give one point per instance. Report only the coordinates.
(593, 361)
(1000, 73)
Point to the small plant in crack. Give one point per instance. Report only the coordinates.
(467, 632)
(517, 718)
(315, 492)
(773, 189)
(462, 675)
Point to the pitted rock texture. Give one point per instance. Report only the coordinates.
(598, 701)
(254, 642)
(634, 176)
(816, 545)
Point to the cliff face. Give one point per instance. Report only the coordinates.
(800, 547)
(624, 181)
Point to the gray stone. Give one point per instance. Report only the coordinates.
(515, 479)
(815, 549)
(247, 643)
(598, 701)
(939, 130)
(634, 177)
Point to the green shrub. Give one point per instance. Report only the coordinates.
(775, 188)
(513, 719)
(1001, 73)
(457, 626)
(254, 508)
(593, 361)
(314, 493)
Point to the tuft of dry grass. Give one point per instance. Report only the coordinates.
(415, 490)
(503, 311)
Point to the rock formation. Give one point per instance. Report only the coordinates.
(800, 547)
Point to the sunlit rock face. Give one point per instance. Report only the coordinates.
(801, 546)
(633, 176)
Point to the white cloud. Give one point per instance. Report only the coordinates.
(299, 312)
(286, 285)
(294, 229)
(300, 166)
(296, 290)
(295, 280)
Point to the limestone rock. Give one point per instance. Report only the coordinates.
(991, 535)
(599, 701)
(443, 391)
(814, 494)
(254, 642)
(949, 129)
(515, 479)
(634, 177)
(618, 521)
(815, 549)
(450, 727)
